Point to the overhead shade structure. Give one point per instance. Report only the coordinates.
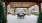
(2, 15)
(22, 4)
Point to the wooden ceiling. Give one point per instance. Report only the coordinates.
(22, 4)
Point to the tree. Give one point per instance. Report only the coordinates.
(40, 18)
(2, 15)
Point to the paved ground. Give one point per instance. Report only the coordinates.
(27, 19)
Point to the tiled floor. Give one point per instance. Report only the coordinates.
(27, 19)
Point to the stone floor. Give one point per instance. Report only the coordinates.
(27, 19)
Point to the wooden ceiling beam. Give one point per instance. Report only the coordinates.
(22, 4)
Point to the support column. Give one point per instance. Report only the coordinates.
(14, 11)
(28, 11)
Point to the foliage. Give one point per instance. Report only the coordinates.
(35, 13)
(40, 18)
(2, 15)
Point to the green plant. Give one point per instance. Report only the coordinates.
(35, 13)
(2, 15)
(40, 18)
